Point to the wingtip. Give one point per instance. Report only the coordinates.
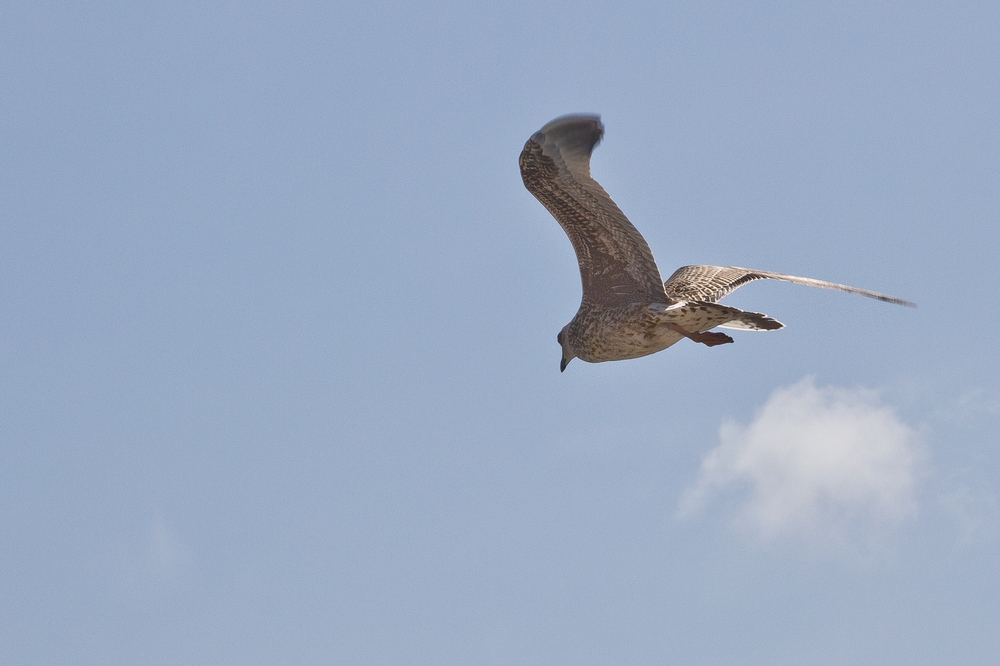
(897, 301)
(573, 119)
(576, 133)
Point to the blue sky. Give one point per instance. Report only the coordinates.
(280, 378)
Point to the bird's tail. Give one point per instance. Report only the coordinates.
(753, 321)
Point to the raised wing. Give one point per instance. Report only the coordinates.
(616, 265)
(711, 283)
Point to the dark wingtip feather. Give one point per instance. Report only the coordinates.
(890, 299)
(574, 134)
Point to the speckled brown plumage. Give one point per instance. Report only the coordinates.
(626, 310)
(712, 283)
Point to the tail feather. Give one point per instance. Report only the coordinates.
(753, 321)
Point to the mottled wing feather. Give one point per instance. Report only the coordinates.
(616, 266)
(711, 283)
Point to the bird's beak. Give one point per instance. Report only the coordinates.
(563, 363)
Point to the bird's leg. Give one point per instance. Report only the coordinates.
(707, 338)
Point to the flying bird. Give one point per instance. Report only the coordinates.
(627, 310)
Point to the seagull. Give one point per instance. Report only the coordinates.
(627, 310)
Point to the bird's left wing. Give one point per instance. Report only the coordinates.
(711, 283)
(616, 266)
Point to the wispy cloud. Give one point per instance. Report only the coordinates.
(165, 553)
(154, 560)
(974, 511)
(824, 464)
(971, 403)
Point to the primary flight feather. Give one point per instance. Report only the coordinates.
(627, 310)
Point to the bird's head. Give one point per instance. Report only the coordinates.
(567, 351)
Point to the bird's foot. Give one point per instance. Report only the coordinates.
(707, 338)
(711, 339)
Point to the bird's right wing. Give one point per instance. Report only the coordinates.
(616, 265)
(711, 283)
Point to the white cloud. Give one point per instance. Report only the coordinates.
(823, 464)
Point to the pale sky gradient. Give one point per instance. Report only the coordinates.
(280, 381)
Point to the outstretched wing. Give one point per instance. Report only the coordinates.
(711, 283)
(616, 265)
